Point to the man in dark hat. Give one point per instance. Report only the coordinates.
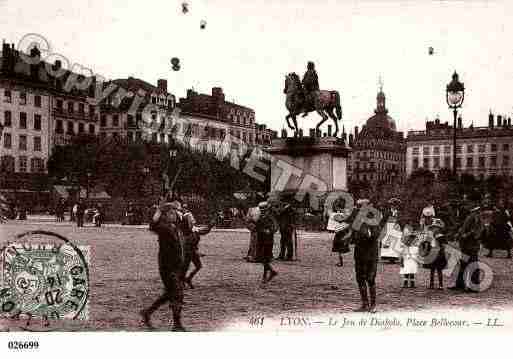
(311, 86)
(286, 221)
(166, 222)
(366, 249)
(469, 237)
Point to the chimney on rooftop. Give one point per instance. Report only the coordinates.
(499, 120)
(355, 132)
(350, 139)
(490, 120)
(162, 85)
(509, 121)
(460, 122)
(329, 130)
(218, 95)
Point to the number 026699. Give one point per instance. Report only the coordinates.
(16, 345)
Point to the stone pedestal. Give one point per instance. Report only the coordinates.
(317, 165)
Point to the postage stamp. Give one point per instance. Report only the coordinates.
(44, 279)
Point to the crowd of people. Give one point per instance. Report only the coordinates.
(418, 244)
(469, 224)
(374, 231)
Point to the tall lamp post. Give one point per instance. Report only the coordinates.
(455, 94)
(88, 184)
(173, 153)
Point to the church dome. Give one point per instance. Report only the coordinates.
(381, 118)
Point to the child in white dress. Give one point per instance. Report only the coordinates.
(409, 258)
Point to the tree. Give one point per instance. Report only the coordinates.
(445, 174)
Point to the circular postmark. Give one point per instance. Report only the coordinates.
(44, 281)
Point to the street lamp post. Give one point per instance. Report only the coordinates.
(455, 94)
(173, 153)
(88, 184)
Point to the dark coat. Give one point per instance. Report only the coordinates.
(266, 226)
(311, 81)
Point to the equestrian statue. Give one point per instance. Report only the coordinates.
(305, 97)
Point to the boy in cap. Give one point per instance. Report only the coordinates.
(166, 223)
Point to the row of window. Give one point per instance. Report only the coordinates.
(22, 99)
(22, 123)
(379, 154)
(162, 100)
(372, 166)
(37, 165)
(241, 120)
(470, 162)
(470, 148)
(115, 120)
(372, 177)
(59, 127)
(59, 104)
(22, 142)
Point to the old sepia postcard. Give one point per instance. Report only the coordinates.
(270, 167)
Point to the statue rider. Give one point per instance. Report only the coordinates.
(310, 85)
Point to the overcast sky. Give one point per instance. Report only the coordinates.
(249, 46)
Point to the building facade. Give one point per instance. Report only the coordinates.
(41, 106)
(379, 150)
(134, 103)
(39, 110)
(220, 118)
(480, 151)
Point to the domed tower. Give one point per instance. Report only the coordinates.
(380, 101)
(379, 147)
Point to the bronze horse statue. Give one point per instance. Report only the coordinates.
(325, 102)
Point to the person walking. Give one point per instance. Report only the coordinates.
(469, 237)
(80, 213)
(286, 222)
(166, 224)
(266, 226)
(434, 255)
(251, 218)
(194, 257)
(366, 249)
(339, 223)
